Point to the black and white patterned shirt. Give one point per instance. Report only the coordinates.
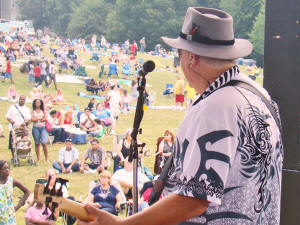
(228, 151)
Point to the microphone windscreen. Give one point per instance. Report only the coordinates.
(148, 66)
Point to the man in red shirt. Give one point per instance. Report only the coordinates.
(8, 73)
(37, 74)
(133, 48)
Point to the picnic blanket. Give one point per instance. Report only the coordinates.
(84, 95)
(69, 78)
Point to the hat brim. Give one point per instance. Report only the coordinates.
(241, 48)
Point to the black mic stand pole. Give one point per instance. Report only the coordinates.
(133, 154)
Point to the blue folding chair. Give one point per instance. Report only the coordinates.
(113, 70)
(169, 90)
(126, 69)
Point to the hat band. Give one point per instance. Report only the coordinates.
(205, 40)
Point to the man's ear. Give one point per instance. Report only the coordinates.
(193, 59)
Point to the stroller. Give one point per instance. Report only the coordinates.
(21, 145)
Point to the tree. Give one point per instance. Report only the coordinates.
(209, 3)
(34, 10)
(54, 14)
(89, 18)
(243, 12)
(61, 12)
(135, 19)
(257, 37)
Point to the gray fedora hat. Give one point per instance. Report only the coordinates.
(209, 32)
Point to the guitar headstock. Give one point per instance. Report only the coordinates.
(54, 200)
(51, 197)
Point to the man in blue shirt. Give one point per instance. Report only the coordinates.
(68, 159)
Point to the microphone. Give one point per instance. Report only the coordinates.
(148, 67)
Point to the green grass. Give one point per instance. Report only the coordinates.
(154, 123)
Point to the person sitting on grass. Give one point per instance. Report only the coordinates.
(93, 87)
(59, 96)
(12, 94)
(91, 104)
(87, 121)
(98, 129)
(56, 131)
(125, 178)
(104, 115)
(68, 159)
(68, 118)
(96, 154)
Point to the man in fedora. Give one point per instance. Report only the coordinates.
(228, 153)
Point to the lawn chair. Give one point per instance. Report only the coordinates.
(113, 70)
(169, 90)
(126, 69)
(95, 57)
(81, 71)
(102, 72)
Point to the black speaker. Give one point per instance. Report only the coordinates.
(282, 80)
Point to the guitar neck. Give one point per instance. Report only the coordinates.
(74, 208)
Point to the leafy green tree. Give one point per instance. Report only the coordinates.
(257, 36)
(209, 3)
(152, 19)
(34, 10)
(54, 14)
(243, 12)
(61, 12)
(89, 18)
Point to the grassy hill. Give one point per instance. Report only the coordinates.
(154, 123)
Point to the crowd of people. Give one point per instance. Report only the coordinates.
(223, 166)
(45, 119)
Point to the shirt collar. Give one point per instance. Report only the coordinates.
(221, 81)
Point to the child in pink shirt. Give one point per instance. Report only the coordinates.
(34, 215)
(12, 93)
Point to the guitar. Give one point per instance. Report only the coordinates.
(55, 201)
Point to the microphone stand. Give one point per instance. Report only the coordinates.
(133, 153)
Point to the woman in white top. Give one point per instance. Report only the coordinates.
(39, 132)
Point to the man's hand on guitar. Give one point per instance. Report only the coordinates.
(102, 217)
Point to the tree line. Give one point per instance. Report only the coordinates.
(134, 19)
